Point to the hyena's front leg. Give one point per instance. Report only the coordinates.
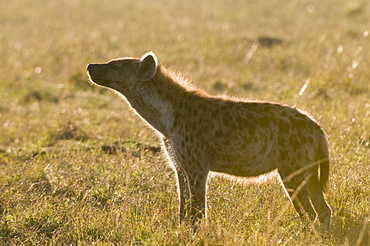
(192, 195)
(182, 180)
(182, 183)
(198, 202)
(184, 193)
(192, 170)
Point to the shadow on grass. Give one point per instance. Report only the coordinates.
(67, 132)
(134, 147)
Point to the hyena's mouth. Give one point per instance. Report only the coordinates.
(97, 81)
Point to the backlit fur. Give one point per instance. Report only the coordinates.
(201, 133)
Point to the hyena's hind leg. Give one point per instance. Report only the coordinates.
(296, 186)
(318, 200)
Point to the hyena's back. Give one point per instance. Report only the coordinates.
(256, 138)
(253, 138)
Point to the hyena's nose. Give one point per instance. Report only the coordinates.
(91, 67)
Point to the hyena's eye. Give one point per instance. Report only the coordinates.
(115, 67)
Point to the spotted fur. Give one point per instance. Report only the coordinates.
(203, 133)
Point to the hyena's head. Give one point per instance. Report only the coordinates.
(122, 74)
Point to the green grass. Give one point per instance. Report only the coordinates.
(78, 168)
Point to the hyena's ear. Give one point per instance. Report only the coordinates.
(148, 66)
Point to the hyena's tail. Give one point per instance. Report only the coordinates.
(323, 160)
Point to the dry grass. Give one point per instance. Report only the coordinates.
(76, 168)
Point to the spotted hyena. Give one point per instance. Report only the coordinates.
(201, 133)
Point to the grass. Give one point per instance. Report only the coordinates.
(77, 167)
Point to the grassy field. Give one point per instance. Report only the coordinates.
(78, 168)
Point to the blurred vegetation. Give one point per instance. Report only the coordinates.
(77, 167)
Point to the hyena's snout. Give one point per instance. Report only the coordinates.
(96, 72)
(94, 69)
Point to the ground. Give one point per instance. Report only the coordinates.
(77, 167)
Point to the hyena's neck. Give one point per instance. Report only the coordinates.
(157, 100)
